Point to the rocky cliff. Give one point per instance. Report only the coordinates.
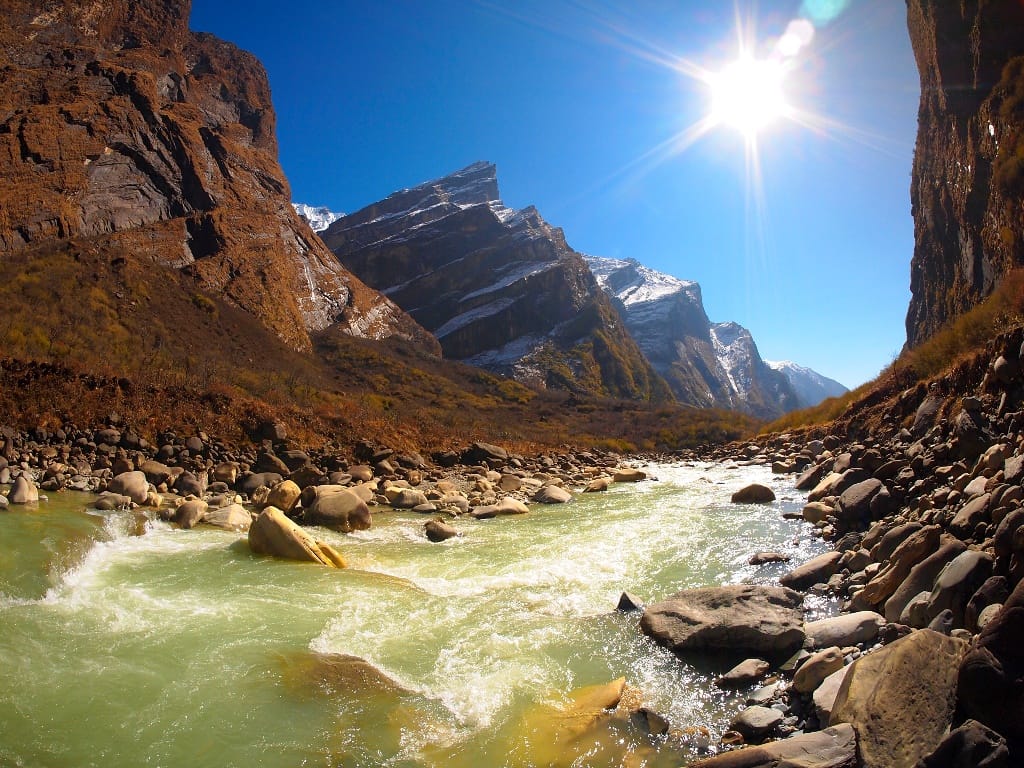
(709, 365)
(968, 176)
(121, 126)
(500, 288)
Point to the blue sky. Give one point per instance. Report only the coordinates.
(573, 99)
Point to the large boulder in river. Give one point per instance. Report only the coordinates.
(900, 698)
(23, 491)
(737, 620)
(272, 533)
(189, 513)
(815, 571)
(134, 485)
(284, 496)
(834, 747)
(341, 511)
(233, 517)
(552, 494)
(845, 629)
(755, 493)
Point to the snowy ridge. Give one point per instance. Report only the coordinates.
(810, 386)
(735, 349)
(633, 283)
(319, 217)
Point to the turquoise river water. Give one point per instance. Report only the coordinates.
(127, 642)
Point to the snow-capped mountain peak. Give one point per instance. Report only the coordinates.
(810, 386)
(319, 217)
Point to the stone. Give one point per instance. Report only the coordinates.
(817, 570)
(628, 602)
(972, 745)
(272, 533)
(189, 513)
(743, 674)
(479, 453)
(131, 484)
(844, 630)
(23, 491)
(973, 512)
(824, 696)
(249, 482)
(922, 577)
(909, 553)
(507, 506)
(407, 498)
(957, 582)
(813, 672)
(233, 517)
(438, 530)
(361, 473)
(552, 494)
(816, 511)
(891, 540)
(187, 484)
(900, 698)
(226, 472)
(285, 495)
(736, 620)
(598, 485)
(510, 483)
(990, 684)
(834, 747)
(629, 475)
(854, 505)
(754, 723)
(156, 472)
(755, 493)
(341, 511)
(760, 558)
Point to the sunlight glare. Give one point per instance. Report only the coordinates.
(748, 94)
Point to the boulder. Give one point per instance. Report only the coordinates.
(744, 674)
(824, 696)
(957, 582)
(846, 629)
(972, 745)
(249, 482)
(233, 517)
(922, 577)
(754, 723)
(813, 672)
(284, 495)
(854, 505)
(900, 698)
(438, 530)
(226, 472)
(156, 472)
(913, 550)
(816, 511)
(760, 558)
(134, 485)
(891, 540)
(341, 511)
(552, 494)
(973, 512)
(817, 570)
(507, 506)
(272, 533)
(736, 620)
(189, 513)
(755, 493)
(629, 475)
(598, 485)
(23, 491)
(480, 453)
(990, 685)
(187, 484)
(831, 748)
(407, 498)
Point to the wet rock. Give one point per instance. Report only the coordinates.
(272, 533)
(552, 494)
(743, 674)
(629, 475)
(131, 484)
(760, 558)
(507, 506)
(341, 511)
(438, 531)
(23, 491)
(736, 620)
(754, 723)
(284, 495)
(900, 698)
(844, 630)
(628, 602)
(189, 513)
(405, 498)
(814, 571)
(598, 485)
(831, 748)
(816, 511)
(755, 493)
(249, 482)
(233, 517)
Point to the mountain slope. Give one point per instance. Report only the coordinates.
(319, 217)
(128, 131)
(810, 386)
(500, 288)
(707, 365)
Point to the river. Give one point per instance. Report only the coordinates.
(127, 642)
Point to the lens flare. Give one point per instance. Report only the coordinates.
(748, 94)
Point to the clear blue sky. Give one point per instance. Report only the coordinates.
(571, 99)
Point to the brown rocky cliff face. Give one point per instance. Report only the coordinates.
(118, 123)
(968, 177)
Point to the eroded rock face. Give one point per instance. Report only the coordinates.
(500, 288)
(968, 174)
(124, 125)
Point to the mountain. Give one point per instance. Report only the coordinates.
(500, 288)
(319, 218)
(126, 135)
(810, 386)
(706, 365)
(968, 174)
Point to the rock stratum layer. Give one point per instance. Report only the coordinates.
(968, 176)
(500, 288)
(121, 126)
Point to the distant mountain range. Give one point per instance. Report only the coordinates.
(501, 289)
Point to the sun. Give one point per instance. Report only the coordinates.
(748, 95)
